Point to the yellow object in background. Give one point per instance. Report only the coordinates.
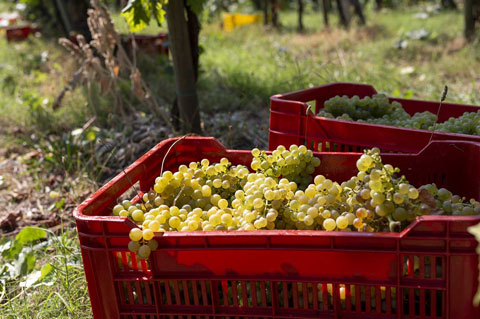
(231, 21)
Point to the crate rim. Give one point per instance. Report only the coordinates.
(286, 96)
(363, 124)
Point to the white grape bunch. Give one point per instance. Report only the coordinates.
(280, 193)
(378, 110)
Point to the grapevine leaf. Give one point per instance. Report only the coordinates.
(158, 12)
(136, 15)
(30, 234)
(196, 5)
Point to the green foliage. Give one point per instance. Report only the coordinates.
(30, 234)
(73, 152)
(196, 5)
(41, 276)
(20, 252)
(138, 13)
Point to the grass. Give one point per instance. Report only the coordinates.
(61, 293)
(285, 60)
(239, 72)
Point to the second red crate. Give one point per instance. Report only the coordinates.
(290, 124)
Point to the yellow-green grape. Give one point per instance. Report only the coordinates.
(375, 175)
(145, 197)
(153, 244)
(403, 188)
(400, 214)
(174, 211)
(154, 226)
(217, 183)
(240, 195)
(381, 210)
(308, 220)
(342, 222)
(367, 159)
(271, 216)
(227, 219)
(350, 217)
(174, 222)
(133, 246)
(124, 213)
(193, 225)
(126, 204)
(413, 193)
(249, 216)
(144, 252)
(158, 201)
(312, 212)
(222, 203)
(310, 192)
(206, 191)
(256, 152)
(375, 185)
(269, 195)
(329, 224)
(389, 168)
(361, 213)
(224, 161)
(365, 194)
(158, 188)
(147, 234)
(262, 222)
(168, 175)
(326, 214)
(258, 203)
(378, 198)
(205, 162)
(398, 198)
(135, 234)
(358, 223)
(138, 216)
(361, 166)
(117, 209)
(316, 161)
(215, 219)
(225, 184)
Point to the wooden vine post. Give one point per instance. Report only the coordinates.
(185, 80)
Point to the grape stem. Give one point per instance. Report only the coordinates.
(168, 151)
(444, 96)
(392, 224)
(178, 195)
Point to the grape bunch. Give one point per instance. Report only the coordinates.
(468, 123)
(279, 194)
(296, 164)
(378, 110)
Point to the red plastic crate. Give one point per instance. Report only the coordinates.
(20, 33)
(151, 44)
(430, 270)
(289, 123)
